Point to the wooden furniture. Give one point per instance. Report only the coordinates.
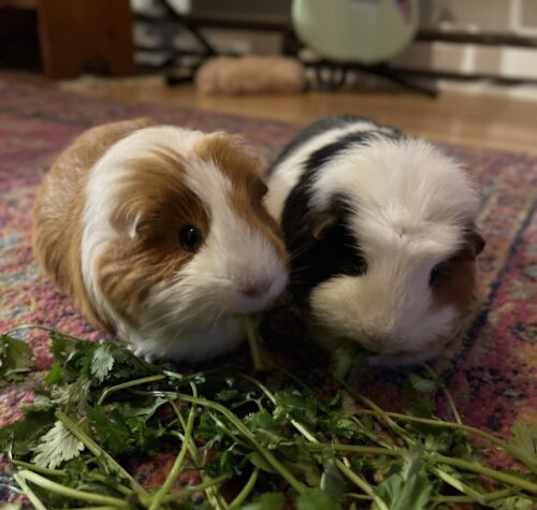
(81, 35)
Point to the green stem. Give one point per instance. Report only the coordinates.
(23, 327)
(500, 476)
(496, 441)
(38, 469)
(29, 493)
(126, 491)
(439, 423)
(271, 459)
(194, 453)
(128, 384)
(60, 472)
(94, 448)
(491, 496)
(175, 497)
(349, 473)
(364, 450)
(363, 497)
(249, 325)
(301, 428)
(187, 379)
(362, 484)
(379, 412)
(374, 438)
(58, 488)
(246, 490)
(178, 464)
(104, 507)
(213, 495)
(458, 485)
(447, 393)
(261, 386)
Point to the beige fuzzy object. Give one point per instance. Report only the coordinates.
(250, 75)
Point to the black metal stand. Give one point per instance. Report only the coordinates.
(181, 66)
(332, 76)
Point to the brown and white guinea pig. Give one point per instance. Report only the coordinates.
(159, 234)
(380, 230)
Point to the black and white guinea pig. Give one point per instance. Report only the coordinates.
(159, 234)
(380, 228)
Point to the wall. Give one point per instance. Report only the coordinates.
(518, 17)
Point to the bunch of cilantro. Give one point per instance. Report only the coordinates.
(263, 442)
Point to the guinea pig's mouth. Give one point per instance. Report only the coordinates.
(255, 297)
(240, 305)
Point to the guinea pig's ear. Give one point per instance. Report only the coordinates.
(231, 152)
(322, 223)
(473, 242)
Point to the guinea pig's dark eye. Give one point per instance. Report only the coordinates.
(259, 188)
(439, 273)
(190, 237)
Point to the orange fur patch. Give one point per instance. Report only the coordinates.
(153, 204)
(154, 196)
(458, 289)
(58, 208)
(245, 171)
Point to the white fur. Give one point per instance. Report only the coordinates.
(290, 170)
(196, 316)
(410, 204)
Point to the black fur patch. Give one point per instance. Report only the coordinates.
(337, 252)
(329, 151)
(315, 129)
(316, 260)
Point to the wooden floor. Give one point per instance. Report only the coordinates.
(479, 121)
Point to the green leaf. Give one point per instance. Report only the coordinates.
(12, 506)
(346, 357)
(39, 403)
(316, 499)
(227, 394)
(514, 503)
(268, 501)
(21, 437)
(259, 461)
(102, 363)
(410, 487)
(332, 481)
(341, 426)
(266, 429)
(55, 374)
(421, 384)
(57, 446)
(62, 346)
(297, 405)
(262, 420)
(306, 469)
(73, 397)
(111, 428)
(523, 443)
(401, 494)
(143, 409)
(16, 358)
(419, 395)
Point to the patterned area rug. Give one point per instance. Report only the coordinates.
(493, 376)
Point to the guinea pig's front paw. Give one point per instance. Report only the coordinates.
(140, 352)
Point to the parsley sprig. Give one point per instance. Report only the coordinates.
(242, 439)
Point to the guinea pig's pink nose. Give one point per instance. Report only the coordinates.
(255, 289)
